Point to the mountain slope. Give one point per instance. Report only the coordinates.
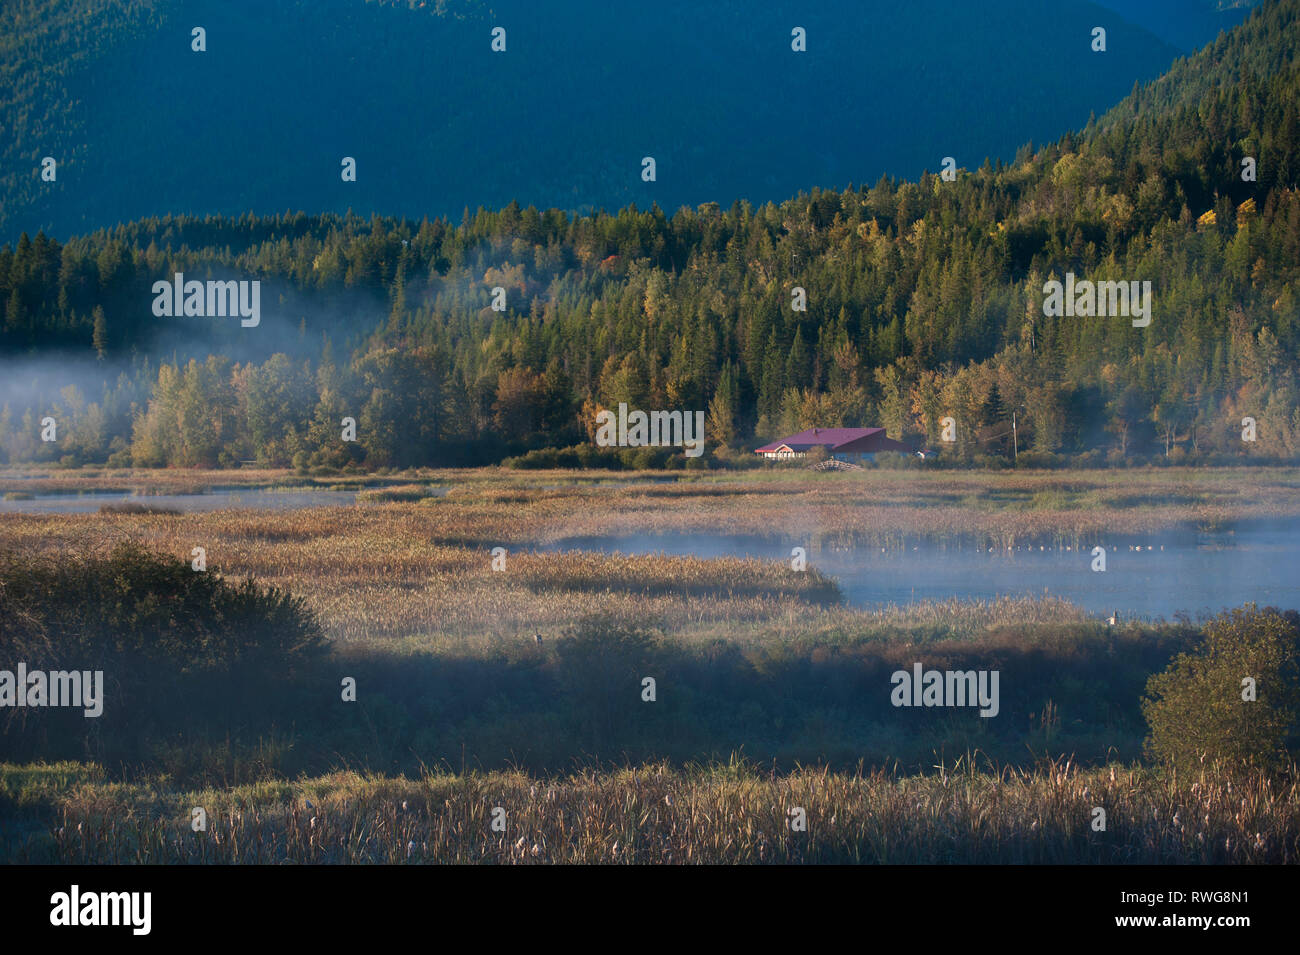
(142, 126)
(1187, 24)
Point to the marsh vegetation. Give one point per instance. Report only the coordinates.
(224, 686)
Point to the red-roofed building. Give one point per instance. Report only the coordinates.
(842, 444)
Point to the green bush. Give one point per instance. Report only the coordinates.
(1045, 460)
(142, 608)
(1195, 708)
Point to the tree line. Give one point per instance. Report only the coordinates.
(923, 302)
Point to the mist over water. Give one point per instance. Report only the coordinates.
(1173, 572)
(1193, 574)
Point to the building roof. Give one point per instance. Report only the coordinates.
(846, 440)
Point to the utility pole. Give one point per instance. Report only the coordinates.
(1015, 436)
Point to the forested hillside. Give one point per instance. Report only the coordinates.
(924, 300)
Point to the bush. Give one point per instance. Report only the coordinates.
(1195, 708)
(136, 607)
(603, 660)
(1038, 460)
(890, 461)
(577, 457)
(591, 457)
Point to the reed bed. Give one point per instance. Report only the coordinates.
(134, 507)
(865, 505)
(134, 480)
(418, 566)
(405, 572)
(397, 493)
(380, 574)
(727, 813)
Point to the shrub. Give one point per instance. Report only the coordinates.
(1038, 460)
(138, 607)
(1195, 708)
(603, 660)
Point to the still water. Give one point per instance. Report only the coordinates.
(1148, 577)
(1181, 571)
(86, 502)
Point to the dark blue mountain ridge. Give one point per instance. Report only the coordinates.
(1187, 24)
(437, 122)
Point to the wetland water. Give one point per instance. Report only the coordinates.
(1160, 575)
(1174, 572)
(88, 502)
(219, 498)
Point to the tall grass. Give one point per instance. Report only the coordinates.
(724, 813)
